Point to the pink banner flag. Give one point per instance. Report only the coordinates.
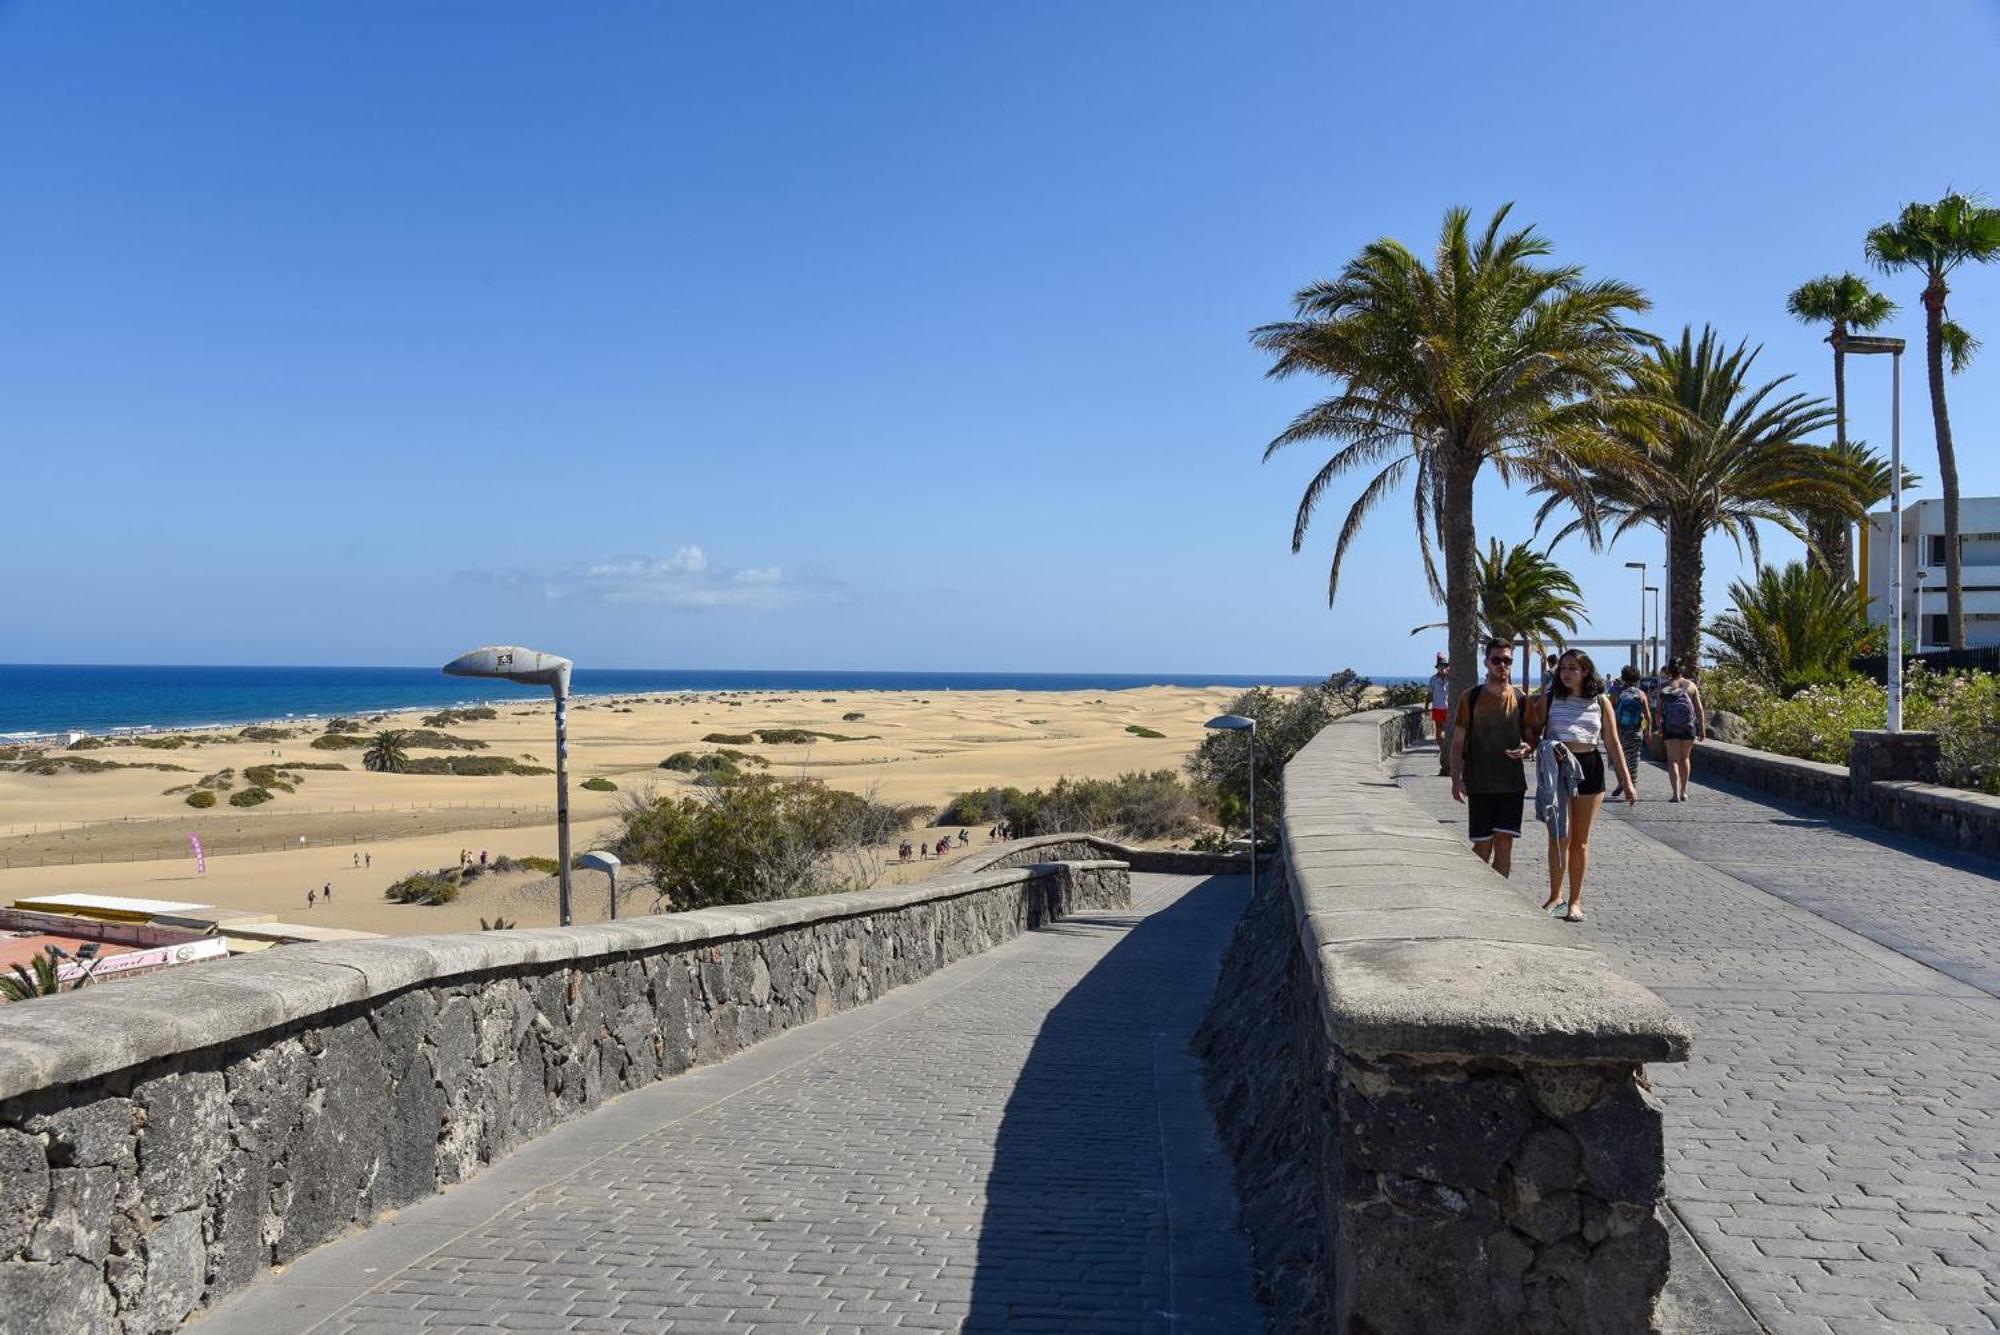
(200, 860)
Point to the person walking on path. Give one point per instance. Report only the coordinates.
(1576, 716)
(1441, 711)
(1486, 754)
(1635, 722)
(1683, 722)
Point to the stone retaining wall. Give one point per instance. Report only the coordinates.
(1955, 818)
(163, 1140)
(1085, 847)
(1456, 1081)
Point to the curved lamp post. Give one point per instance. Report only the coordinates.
(599, 860)
(532, 667)
(1237, 723)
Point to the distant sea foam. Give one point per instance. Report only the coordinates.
(40, 699)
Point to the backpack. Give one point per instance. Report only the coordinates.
(1631, 708)
(1676, 709)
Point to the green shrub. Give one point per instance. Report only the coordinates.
(423, 887)
(344, 726)
(535, 862)
(798, 736)
(200, 797)
(1285, 723)
(472, 766)
(1138, 730)
(264, 734)
(431, 739)
(171, 742)
(1155, 805)
(852, 716)
(271, 776)
(1406, 693)
(339, 741)
(600, 785)
(249, 797)
(444, 718)
(86, 744)
(48, 765)
(729, 738)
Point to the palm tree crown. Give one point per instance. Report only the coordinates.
(1935, 239)
(1524, 598)
(1485, 355)
(387, 753)
(1697, 450)
(1791, 628)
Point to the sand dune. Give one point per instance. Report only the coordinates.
(910, 748)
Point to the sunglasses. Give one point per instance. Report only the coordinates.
(1503, 662)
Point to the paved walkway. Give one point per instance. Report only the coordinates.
(1017, 1143)
(1834, 1145)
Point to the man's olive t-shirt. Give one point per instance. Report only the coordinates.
(1492, 726)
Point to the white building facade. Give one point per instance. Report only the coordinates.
(1925, 624)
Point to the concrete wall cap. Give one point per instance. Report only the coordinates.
(1420, 950)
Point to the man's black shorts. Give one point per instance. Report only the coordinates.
(1488, 814)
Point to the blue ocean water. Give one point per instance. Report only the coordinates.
(51, 698)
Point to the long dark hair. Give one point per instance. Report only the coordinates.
(1589, 688)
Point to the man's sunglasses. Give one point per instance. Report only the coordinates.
(1503, 662)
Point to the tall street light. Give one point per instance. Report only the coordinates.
(532, 667)
(1237, 723)
(599, 860)
(1866, 344)
(1654, 589)
(1640, 566)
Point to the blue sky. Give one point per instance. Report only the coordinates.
(844, 335)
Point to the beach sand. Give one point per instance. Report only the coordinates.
(117, 832)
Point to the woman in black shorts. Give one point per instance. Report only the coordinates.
(1683, 721)
(1579, 716)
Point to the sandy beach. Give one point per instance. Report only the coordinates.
(118, 831)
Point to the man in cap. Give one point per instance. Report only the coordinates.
(1441, 711)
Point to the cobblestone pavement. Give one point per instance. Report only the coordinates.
(1017, 1143)
(1833, 1144)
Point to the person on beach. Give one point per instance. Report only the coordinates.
(326, 892)
(357, 859)
(1635, 721)
(367, 859)
(312, 896)
(1487, 748)
(1440, 684)
(1577, 715)
(1683, 722)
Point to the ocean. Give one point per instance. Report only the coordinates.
(37, 699)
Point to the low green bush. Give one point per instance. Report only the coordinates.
(535, 862)
(852, 716)
(1403, 693)
(1139, 730)
(430, 739)
(423, 887)
(800, 736)
(200, 797)
(249, 797)
(264, 734)
(600, 784)
(339, 741)
(271, 776)
(86, 744)
(1154, 805)
(444, 718)
(729, 738)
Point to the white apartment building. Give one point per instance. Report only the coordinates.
(1924, 622)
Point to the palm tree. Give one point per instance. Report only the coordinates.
(1830, 531)
(386, 754)
(1697, 450)
(24, 984)
(1486, 357)
(1846, 302)
(1524, 598)
(1935, 239)
(1791, 628)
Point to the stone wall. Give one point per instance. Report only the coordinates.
(163, 1140)
(1955, 818)
(1453, 1095)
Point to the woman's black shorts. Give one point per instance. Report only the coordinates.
(1593, 773)
(1674, 734)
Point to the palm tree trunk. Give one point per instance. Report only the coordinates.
(1839, 385)
(1954, 566)
(1461, 567)
(1684, 593)
(1833, 538)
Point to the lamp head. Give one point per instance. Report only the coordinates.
(598, 860)
(1232, 723)
(1635, 565)
(510, 662)
(1864, 344)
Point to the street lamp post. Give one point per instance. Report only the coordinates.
(1237, 723)
(599, 860)
(1640, 566)
(1922, 575)
(531, 667)
(1654, 589)
(1866, 344)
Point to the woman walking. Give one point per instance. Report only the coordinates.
(1635, 721)
(1578, 717)
(1683, 721)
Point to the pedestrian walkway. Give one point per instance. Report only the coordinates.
(1834, 1145)
(1019, 1143)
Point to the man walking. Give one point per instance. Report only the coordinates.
(1441, 712)
(1487, 747)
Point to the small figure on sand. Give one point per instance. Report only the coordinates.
(964, 838)
(312, 896)
(482, 857)
(357, 859)
(367, 859)
(944, 846)
(326, 892)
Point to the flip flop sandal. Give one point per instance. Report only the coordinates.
(1573, 915)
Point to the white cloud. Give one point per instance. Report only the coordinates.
(685, 581)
